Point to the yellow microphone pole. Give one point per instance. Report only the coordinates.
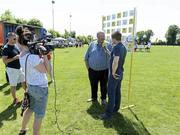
(131, 61)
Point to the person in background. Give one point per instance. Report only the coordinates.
(10, 56)
(117, 60)
(97, 63)
(148, 46)
(136, 45)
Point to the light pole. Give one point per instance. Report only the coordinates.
(70, 16)
(53, 2)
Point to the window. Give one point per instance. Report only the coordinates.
(124, 22)
(108, 24)
(104, 25)
(108, 18)
(124, 30)
(113, 23)
(108, 38)
(130, 29)
(131, 21)
(125, 14)
(108, 31)
(131, 13)
(118, 23)
(113, 30)
(119, 30)
(113, 16)
(119, 15)
(104, 18)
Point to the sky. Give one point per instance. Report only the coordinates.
(86, 14)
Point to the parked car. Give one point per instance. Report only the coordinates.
(71, 42)
(61, 42)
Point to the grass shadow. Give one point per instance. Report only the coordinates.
(7, 92)
(141, 124)
(95, 109)
(8, 114)
(3, 86)
(120, 123)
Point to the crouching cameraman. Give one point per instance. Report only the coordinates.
(35, 67)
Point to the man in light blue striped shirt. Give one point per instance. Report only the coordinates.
(97, 62)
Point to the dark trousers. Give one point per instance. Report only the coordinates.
(114, 95)
(95, 77)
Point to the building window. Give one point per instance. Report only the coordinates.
(104, 18)
(108, 31)
(104, 25)
(113, 24)
(108, 18)
(113, 16)
(131, 21)
(124, 22)
(118, 23)
(125, 14)
(124, 30)
(119, 30)
(108, 38)
(113, 30)
(131, 13)
(119, 15)
(108, 24)
(130, 29)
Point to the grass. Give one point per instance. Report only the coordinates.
(155, 92)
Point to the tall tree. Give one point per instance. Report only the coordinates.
(144, 36)
(8, 17)
(35, 22)
(90, 38)
(72, 34)
(171, 34)
(21, 21)
(54, 33)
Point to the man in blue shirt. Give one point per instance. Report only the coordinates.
(117, 60)
(97, 62)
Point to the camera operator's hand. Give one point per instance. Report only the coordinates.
(42, 49)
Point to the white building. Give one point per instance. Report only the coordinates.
(121, 21)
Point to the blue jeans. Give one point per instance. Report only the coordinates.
(114, 95)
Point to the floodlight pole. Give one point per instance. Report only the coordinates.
(70, 16)
(53, 2)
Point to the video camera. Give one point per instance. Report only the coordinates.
(26, 38)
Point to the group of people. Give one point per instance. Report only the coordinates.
(31, 71)
(104, 63)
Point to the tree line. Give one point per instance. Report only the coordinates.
(172, 35)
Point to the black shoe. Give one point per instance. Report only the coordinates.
(22, 132)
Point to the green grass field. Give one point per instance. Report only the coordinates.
(155, 92)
